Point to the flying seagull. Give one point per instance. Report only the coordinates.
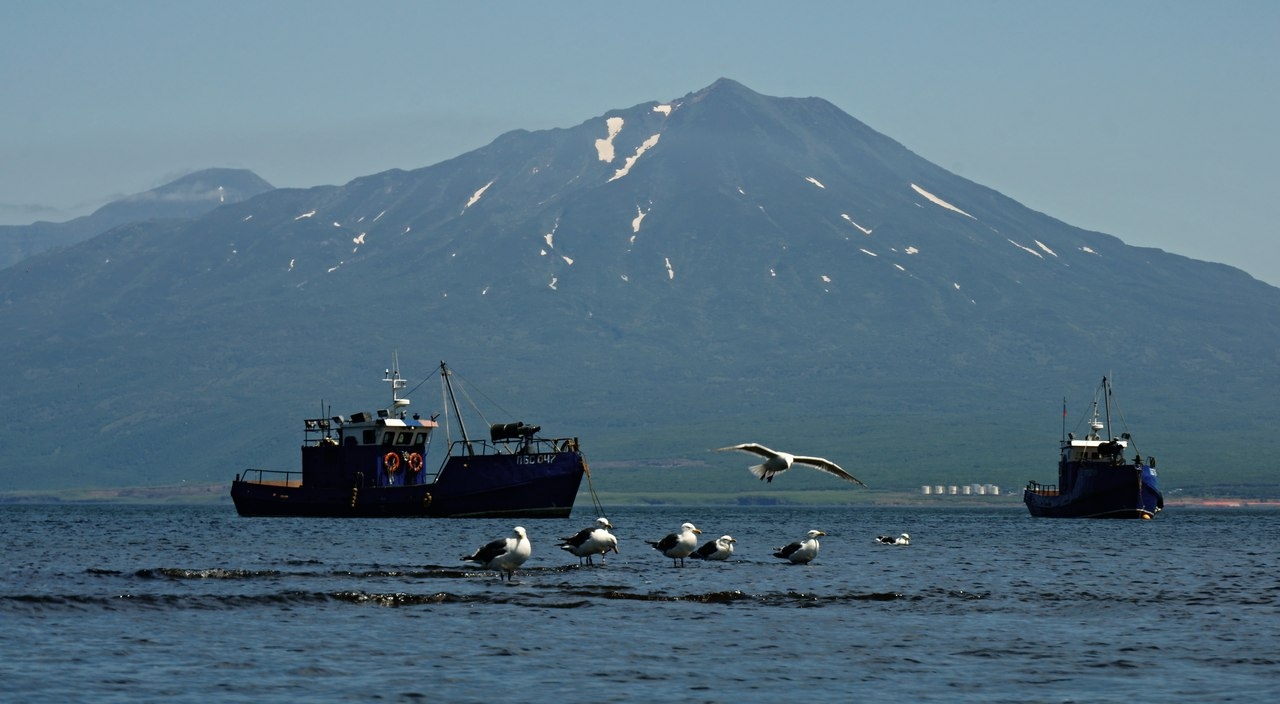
(589, 542)
(779, 462)
(677, 546)
(903, 539)
(504, 555)
(719, 549)
(801, 552)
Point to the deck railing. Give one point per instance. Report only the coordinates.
(272, 477)
(1042, 489)
(541, 446)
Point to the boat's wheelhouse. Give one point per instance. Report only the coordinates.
(366, 451)
(1093, 449)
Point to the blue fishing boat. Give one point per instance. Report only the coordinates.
(379, 465)
(1095, 477)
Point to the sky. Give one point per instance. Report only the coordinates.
(1153, 121)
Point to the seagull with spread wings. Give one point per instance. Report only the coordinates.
(778, 462)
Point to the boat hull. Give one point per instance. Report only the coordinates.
(1101, 491)
(479, 486)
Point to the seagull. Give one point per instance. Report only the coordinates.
(801, 552)
(504, 555)
(677, 546)
(778, 462)
(588, 542)
(719, 549)
(903, 539)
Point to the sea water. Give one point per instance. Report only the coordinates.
(109, 603)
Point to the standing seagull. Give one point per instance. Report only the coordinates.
(719, 549)
(588, 542)
(677, 546)
(801, 552)
(779, 462)
(504, 555)
(903, 539)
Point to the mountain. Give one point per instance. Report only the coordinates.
(658, 280)
(191, 196)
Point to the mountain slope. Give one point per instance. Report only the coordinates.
(659, 280)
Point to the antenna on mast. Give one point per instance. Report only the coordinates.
(393, 377)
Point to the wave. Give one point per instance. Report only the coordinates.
(554, 598)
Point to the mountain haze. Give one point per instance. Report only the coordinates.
(658, 280)
(187, 197)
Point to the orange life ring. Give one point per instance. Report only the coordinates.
(392, 460)
(415, 462)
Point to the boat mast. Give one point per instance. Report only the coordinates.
(1106, 404)
(462, 427)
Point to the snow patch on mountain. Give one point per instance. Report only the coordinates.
(648, 144)
(635, 222)
(1026, 249)
(551, 236)
(604, 147)
(475, 197)
(849, 220)
(938, 201)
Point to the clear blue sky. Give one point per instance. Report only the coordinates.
(1155, 121)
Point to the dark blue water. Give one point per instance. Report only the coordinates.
(111, 603)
